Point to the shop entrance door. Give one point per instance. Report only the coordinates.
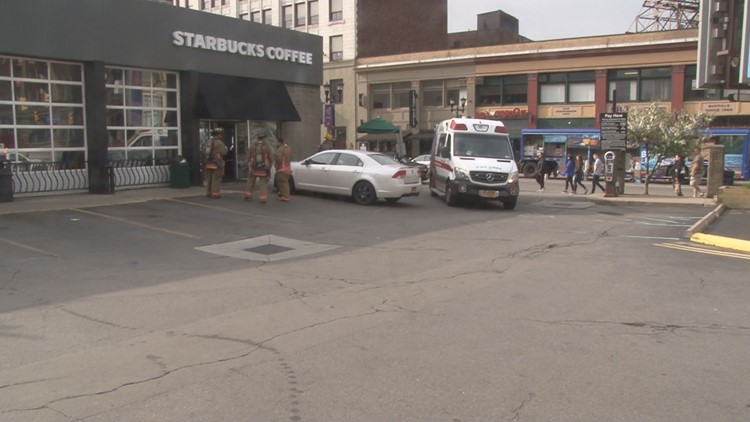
(228, 128)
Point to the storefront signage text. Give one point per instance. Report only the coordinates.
(223, 45)
(719, 107)
(503, 113)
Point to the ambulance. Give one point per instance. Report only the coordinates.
(473, 158)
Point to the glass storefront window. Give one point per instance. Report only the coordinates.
(65, 72)
(572, 87)
(503, 90)
(6, 92)
(68, 138)
(29, 69)
(142, 115)
(4, 66)
(649, 84)
(67, 93)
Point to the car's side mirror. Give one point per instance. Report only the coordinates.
(445, 152)
(307, 162)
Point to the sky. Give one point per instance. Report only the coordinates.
(551, 19)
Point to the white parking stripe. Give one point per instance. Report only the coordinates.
(135, 223)
(27, 247)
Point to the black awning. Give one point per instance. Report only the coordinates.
(233, 98)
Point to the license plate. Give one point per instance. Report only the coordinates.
(414, 189)
(489, 193)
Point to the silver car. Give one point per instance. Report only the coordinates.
(365, 176)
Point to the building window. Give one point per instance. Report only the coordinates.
(312, 12)
(244, 16)
(337, 90)
(381, 96)
(401, 94)
(142, 115)
(256, 17)
(693, 94)
(268, 16)
(337, 48)
(654, 84)
(300, 10)
(337, 10)
(573, 87)
(288, 16)
(205, 4)
(42, 111)
(503, 90)
(432, 93)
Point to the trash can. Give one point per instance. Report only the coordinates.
(6, 181)
(179, 175)
(728, 177)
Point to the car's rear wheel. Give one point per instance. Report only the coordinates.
(292, 187)
(450, 197)
(363, 193)
(510, 203)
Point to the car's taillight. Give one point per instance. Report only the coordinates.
(399, 174)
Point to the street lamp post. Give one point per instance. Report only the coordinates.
(459, 109)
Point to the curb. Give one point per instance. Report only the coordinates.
(721, 242)
(704, 222)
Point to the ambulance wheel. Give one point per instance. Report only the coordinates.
(510, 203)
(450, 196)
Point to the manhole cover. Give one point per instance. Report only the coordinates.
(268, 249)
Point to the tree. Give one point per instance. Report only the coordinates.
(664, 134)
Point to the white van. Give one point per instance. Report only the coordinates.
(473, 158)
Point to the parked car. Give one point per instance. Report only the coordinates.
(365, 176)
(421, 168)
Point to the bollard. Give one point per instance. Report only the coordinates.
(6, 181)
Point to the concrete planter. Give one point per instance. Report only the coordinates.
(736, 197)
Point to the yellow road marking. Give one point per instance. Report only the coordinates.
(721, 241)
(702, 250)
(27, 247)
(135, 223)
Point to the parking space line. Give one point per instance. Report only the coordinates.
(30, 248)
(213, 207)
(135, 223)
(688, 248)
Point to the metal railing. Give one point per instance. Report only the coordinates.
(47, 177)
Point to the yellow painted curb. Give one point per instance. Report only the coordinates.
(721, 242)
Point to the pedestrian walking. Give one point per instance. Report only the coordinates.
(259, 160)
(283, 168)
(214, 167)
(696, 174)
(578, 175)
(569, 173)
(677, 170)
(540, 171)
(598, 172)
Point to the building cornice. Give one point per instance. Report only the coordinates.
(613, 44)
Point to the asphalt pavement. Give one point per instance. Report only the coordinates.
(721, 227)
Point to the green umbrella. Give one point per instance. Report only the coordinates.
(378, 125)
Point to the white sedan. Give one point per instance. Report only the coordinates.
(365, 176)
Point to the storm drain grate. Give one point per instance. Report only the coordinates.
(268, 248)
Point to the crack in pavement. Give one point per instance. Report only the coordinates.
(517, 410)
(656, 328)
(99, 321)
